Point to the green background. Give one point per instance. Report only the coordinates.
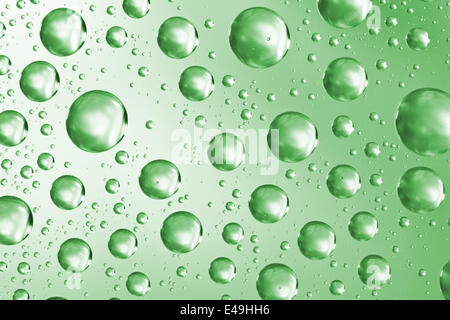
(421, 246)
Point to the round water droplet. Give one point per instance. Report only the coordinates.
(277, 281)
(363, 226)
(374, 271)
(75, 255)
(116, 37)
(423, 121)
(337, 287)
(343, 181)
(177, 37)
(13, 128)
(342, 127)
(39, 81)
(233, 233)
(97, 121)
(421, 190)
(63, 32)
(181, 232)
(196, 83)
(316, 240)
(138, 284)
(16, 220)
(122, 244)
(5, 65)
(222, 270)
(226, 152)
(45, 161)
(259, 37)
(268, 203)
(344, 14)
(417, 39)
(445, 281)
(292, 137)
(160, 179)
(345, 79)
(67, 192)
(136, 8)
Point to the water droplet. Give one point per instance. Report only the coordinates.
(122, 244)
(268, 203)
(445, 281)
(196, 83)
(259, 37)
(116, 37)
(344, 14)
(423, 121)
(417, 39)
(75, 255)
(277, 281)
(226, 152)
(343, 181)
(39, 81)
(13, 128)
(67, 192)
(363, 226)
(159, 179)
(374, 271)
(181, 232)
(421, 190)
(177, 37)
(63, 32)
(136, 9)
(345, 79)
(16, 220)
(222, 270)
(342, 127)
(316, 240)
(97, 121)
(233, 233)
(292, 136)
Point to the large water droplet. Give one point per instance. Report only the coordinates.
(277, 281)
(268, 203)
(181, 232)
(122, 244)
(345, 79)
(39, 81)
(16, 220)
(343, 181)
(423, 121)
(226, 152)
(445, 281)
(344, 14)
(222, 270)
(160, 179)
(13, 128)
(63, 32)
(233, 233)
(75, 255)
(316, 240)
(196, 83)
(374, 271)
(417, 39)
(67, 192)
(116, 37)
(292, 137)
(177, 37)
(421, 190)
(259, 37)
(363, 226)
(136, 8)
(138, 284)
(97, 121)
